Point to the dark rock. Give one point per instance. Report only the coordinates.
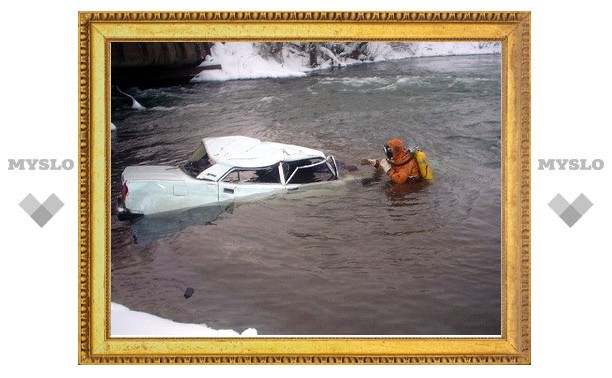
(188, 292)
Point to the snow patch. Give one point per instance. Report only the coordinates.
(128, 323)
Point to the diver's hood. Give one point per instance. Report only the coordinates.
(396, 152)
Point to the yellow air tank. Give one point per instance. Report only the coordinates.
(424, 167)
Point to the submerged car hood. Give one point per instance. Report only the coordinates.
(153, 172)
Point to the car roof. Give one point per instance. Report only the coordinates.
(242, 151)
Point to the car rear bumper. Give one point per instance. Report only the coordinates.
(123, 213)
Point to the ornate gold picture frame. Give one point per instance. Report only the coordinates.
(98, 29)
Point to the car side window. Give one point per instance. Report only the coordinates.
(267, 175)
(307, 171)
(240, 176)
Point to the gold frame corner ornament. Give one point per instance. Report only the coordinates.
(98, 29)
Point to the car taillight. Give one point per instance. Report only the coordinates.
(124, 191)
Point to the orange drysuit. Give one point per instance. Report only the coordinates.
(403, 165)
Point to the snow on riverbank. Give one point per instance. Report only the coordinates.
(245, 60)
(128, 323)
(241, 60)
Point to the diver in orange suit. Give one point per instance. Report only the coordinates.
(400, 165)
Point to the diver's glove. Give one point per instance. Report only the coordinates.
(384, 164)
(369, 162)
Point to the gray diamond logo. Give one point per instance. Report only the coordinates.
(570, 213)
(41, 213)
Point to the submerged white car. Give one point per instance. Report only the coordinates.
(223, 169)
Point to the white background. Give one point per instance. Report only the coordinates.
(570, 266)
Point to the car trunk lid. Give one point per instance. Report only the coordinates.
(153, 173)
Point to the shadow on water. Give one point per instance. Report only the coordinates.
(152, 227)
(397, 194)
(401, 194)
(377, 177)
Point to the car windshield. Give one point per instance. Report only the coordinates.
(194, 168)
(197, 162)
(307, 171)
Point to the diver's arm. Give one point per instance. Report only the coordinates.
(384, 164)
(372, 162)
(376, 163)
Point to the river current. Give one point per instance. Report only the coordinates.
(366, 257)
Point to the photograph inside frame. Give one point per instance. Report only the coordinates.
(306, 189)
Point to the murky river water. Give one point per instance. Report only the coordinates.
(364, 258)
